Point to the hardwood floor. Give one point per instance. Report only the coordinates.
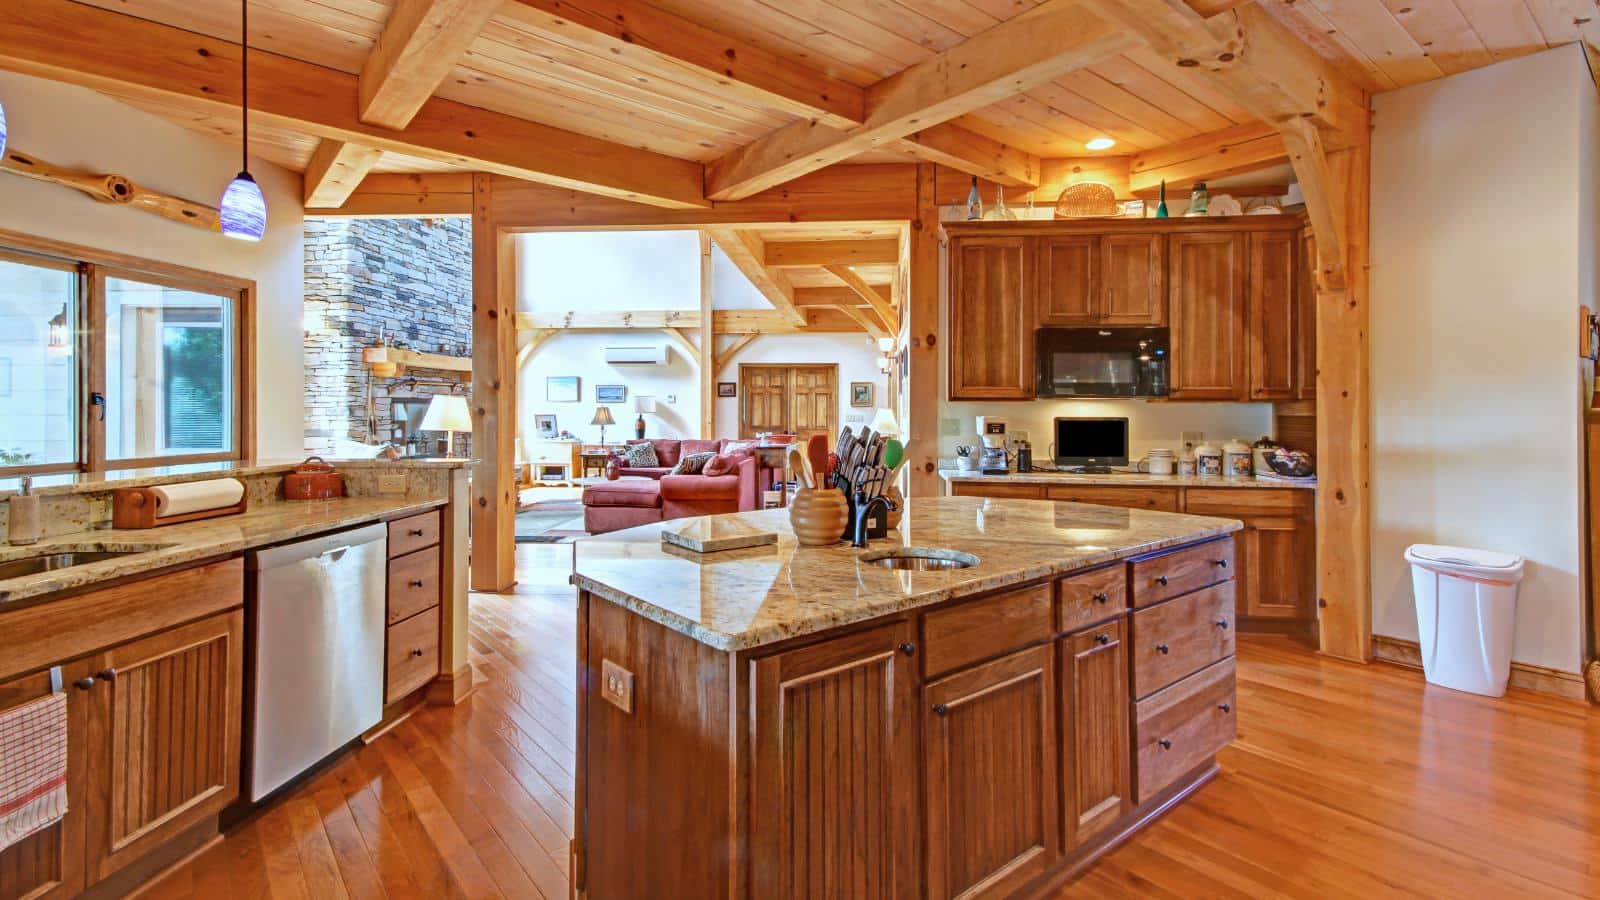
(1346, 781)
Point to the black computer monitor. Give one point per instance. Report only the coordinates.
(1098, 441)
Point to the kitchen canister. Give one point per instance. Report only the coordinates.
(1236, 459)
(1259, 451)
(1161, 461)
(1185, 465)
(1207, 460)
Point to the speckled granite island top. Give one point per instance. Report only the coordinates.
(739, 599)
(173, 545)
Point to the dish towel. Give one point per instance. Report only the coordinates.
(33, 767)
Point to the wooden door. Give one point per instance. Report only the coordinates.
(1305, 326)
(813, 401)
(1133, 280)
(1096, 788)
(763, 399)
(1066, 266)
(991, 328)
(1271, 316)
(164, 733)
(833, 769)
(1208, 316)
(1277, 568)
(49, 862)
(991, 796)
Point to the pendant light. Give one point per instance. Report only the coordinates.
(244, 209)
(2, 131)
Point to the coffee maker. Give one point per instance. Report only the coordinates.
(992, 433)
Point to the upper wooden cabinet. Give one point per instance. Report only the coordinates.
(991, 315)
(1209, 359)
(1113, 279)
(1068, 267)
(1272, 337)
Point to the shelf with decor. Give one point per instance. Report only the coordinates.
(389, 362)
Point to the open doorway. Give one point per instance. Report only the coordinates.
(802, 399)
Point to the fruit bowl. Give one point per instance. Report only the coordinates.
(1291, 463)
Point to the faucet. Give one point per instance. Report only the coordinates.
(863, 511)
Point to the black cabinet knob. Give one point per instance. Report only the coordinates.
(941, 709)
(416, 582)
(1225, 707)
(417, 652)
(908, 649)
(1102, 598)
(1102, 639)
(83, 684)
(415, 532)
(1163, 648)
(1220, 563)
(1223, 624)
(1161, 580)
(1165, 744)
(107, 675)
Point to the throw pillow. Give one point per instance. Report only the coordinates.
(721, 464)
(692, 464)
(641, 456)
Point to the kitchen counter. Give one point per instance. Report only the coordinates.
(173, 545)
(740, 599)
(97, 482)
(1126, 479)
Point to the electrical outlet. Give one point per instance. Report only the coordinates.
(1191, 440)
(392, 484)
(949, 427)
(616, 686)
(854, 419)
(1020, 435)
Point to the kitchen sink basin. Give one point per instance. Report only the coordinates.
(65, 559)
(919, 559)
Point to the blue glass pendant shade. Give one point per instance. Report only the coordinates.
(244, 209)
(2, 130)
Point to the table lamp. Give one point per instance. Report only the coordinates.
(642, 405)
(447, 413)
(884, 423)
(602, 417)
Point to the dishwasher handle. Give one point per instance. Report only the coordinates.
(327, 546)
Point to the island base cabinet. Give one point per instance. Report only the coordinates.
(834, 799)
(1096, 785)
(1180, 727)
(990, 763)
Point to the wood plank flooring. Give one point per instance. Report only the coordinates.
(1346, 781)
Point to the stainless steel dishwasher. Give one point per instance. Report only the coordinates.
(317, 620)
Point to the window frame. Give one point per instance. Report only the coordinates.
(93, 268)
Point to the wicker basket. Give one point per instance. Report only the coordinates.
(1086, 200)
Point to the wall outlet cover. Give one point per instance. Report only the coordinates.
(854, 419)
(1191, 440)
(392, 483)
(949, 427)
(616, 686)
(1019, 434)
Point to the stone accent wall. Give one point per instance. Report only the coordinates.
(407, 279)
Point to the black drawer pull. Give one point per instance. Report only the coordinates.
(1161, 580)
(1225, 707)
(1102, 598)
(1165, 744)
(1223, 624)
(415, 532)
(107, 675)
(415, 582)
(941, 709)
(908, 649)
(1163, 649)
(1102, 639)
(83, 684)
(1220, 563)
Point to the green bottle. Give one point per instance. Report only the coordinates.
(1161, 207)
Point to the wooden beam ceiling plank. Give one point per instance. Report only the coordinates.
(732, 350)
(575, 320)
(336, 170)
(685, 345)
(536, 340)
(1324, 205)
(66, 41)
(747, 252)
(967, 151)
(813, 320)
(1241, 148)
(419, 45)
(410, 194)
(875, 298)
(1028, 50)
(494, 397)
(811, 254)
(868, 323)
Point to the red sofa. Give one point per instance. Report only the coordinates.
(648, 494)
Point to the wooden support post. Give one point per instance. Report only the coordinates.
(494, 396)
(708, 346)
(922, 324)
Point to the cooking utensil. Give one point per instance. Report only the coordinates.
(801, 468)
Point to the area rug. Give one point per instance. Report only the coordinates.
(551, 522)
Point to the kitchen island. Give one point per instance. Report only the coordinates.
(783, 721)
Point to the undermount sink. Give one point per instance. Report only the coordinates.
(919, 559)
(66, 559)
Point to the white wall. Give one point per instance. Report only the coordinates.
(1482, 249)
(78, 128)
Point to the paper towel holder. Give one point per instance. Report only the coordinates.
(136, 508)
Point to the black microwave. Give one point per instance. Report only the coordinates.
(1102, 362)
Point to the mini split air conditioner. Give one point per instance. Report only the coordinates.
(637, 356)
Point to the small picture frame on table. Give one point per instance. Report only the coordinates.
(546, 426)
(860, 393)
(727, 389)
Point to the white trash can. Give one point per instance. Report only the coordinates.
(1466, 615)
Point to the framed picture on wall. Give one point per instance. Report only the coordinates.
(860, 393)
(545, 425)
(610, 393)
(562, 389)
(727, 389)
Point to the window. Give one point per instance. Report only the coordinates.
(109, 363)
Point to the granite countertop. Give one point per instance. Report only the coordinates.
(1129, 479)
(738, 599)
(176, 544)
(97, 482)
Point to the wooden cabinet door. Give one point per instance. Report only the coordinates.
(1096, 786)
(1133, 279)
(1271, 314)
(1277, 568)
(991, 313)
(49, 862)
(834, 769)
(1208, 316)
(813, 402)
(992, 801)
(763, 399)
(1067, 267)
(164, 732)
(1305, 326)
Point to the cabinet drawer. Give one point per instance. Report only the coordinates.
(980, 489)
(1184, 636)
(413, 533)
(1245, 502)
(1164, 499)
(1091, 597)
(980, 629)
(1183, 726)
(413, 654)
(413, 583)
(1157, 578)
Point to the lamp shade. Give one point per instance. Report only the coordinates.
(644, 404)
(884, 423)
(447, 412)
(602, 416)
(244, 210)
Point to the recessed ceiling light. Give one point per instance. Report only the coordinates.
(1101, 143)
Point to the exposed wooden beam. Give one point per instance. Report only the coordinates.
(609, 321)
(807, 297)
(722, 357)
(1242, 148)
(1011, 57)
(964, 150)
(536, 340)
(684, 345)
(335, 170)
(494, 398)
(810, 254)
(66, 41)
(421, 41)
(415, 195)
(1324, 206)
(708, 345)
(747, 252)
(814, 320)
(868, 322)
(921, 423)
(875, 298)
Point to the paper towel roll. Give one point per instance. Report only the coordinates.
(197, 496)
